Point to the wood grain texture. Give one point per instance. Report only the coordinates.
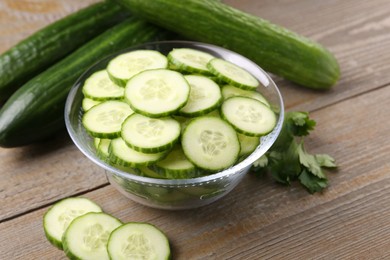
(37, 175)
(259, 219)
(21, 18)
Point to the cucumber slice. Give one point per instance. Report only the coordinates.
(176, 165)
(122, 154)
(96, 142)
(232, 74)
(146, 171)
(99, 87)
(128, 169)
(124, 66)
(138, 241)
(87, 236)
(183, 121)
(102, 149)
(217, 80)
(210, 143)
(231, 91)
(57, 219)
(205, 96)
(247, 144)
(157, 93)
(214, 113)
(105, 119)
(150, 135)
(190, 60)
(248, 116)
(88, 103)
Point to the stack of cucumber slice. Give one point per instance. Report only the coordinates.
(80, 227)
(182, 115)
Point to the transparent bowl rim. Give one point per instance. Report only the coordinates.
(236, 169)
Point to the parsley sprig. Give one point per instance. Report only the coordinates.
(288, 161)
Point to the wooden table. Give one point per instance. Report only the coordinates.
(259, 219)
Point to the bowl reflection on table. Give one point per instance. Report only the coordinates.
(174, 193)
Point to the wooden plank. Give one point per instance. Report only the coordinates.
(19, 19)
(37, 175)
(263, 220)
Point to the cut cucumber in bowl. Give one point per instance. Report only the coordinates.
(176, 165)
(121, 154)
(178, 125)
(157, 93)
(150, 135)
(231, 91)
(60, 215)
(190, 60)
(232, 74)
(105, 119)
(210, 143)
(124, 66)
(205, 96)
(248, 116)
(88, 103)
(247, 144)
(99, 87)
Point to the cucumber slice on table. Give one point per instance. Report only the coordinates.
(210, 143)
(205, 96)
(157, 93)
(248, 116)
(138, 241)
(61, 214)
(105, 119)
(100, 87)
(125, 66)
(230, 91)
(232, 74)
(122, 154)
(150, 135)
(87, 236)
(190, 60)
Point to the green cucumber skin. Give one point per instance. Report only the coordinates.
(35, 111)
(272, 47)
(46, 46)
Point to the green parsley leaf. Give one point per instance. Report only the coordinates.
(309, 162)
(300, 123)
(287, 160)
(325, 160)
(311, 182)
(261, 162)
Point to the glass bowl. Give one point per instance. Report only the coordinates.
(174, 193)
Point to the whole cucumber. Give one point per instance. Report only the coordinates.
(51, 43)
(36, 110)
(274, 48)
